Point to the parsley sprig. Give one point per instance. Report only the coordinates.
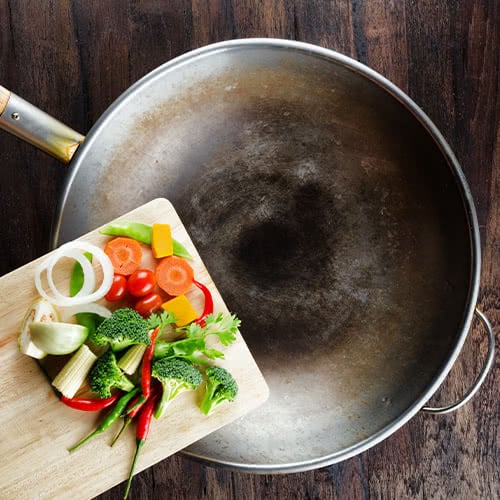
(192, 344)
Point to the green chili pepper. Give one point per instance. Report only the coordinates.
(141, 232)
(90, 320)
(110, 419)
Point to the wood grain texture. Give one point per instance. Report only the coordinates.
(443, 53)
(4, 98)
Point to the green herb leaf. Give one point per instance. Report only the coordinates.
(213, 353)
(162, 319)
(193, 346)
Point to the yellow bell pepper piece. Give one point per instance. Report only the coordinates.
(182, 309)
(161, 241)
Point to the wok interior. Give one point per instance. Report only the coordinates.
(328, 219)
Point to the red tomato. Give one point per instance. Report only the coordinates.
(141, 282)
(118, 288)
(149, 304)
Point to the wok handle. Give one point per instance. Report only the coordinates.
(482, 375)
(26, 121)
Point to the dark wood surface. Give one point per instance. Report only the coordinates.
(73, 58)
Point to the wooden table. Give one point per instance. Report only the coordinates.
(73, 58)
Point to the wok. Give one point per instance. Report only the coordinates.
(329, 210)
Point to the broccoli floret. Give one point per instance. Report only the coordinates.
(220, 387)
(176, 376)
(122, 329)
(106, 375)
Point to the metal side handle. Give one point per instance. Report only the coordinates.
(26, 121)
(482, 375)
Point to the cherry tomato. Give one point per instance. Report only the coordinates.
(141, 282)
(118, 288)
(149, 304)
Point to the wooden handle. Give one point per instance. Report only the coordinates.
(4, 98)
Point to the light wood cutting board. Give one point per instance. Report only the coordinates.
(36, 429)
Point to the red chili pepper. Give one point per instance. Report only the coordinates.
(134, 406)
(133, 409)
(90, 404)
(146, 366)
(141, 434)
(209, 303)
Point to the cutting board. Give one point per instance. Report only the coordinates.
(36, 429)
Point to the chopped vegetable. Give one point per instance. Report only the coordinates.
(224, 326)
(176, 376)
(182, 309)
(124, 328)
(163, 369)
(208, 308)
(161, 241)
(141, 434)
(181, 251)
(41, 312)
(174, 275)
(74, 372)
(135, 230)
(118, 288)
(106, 375)
(141, 282)
(148, 305)
(143, 233)
(88, 315)
(68, 312)
(109, 420)
(85, 404)
(161, 320)
(146, 365)
(75, 250)
(125, 255)
(131, 360)
(220, 387)
(194, 350)
(193, 346)
(133, 408)
(58, 338)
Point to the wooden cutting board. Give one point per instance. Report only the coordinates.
(36, 429)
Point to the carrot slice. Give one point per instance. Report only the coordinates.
(125, 255)
(174, 275)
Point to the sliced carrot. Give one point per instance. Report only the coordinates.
(182, 309)
(125, 255)
(161, 241)
(174, 275)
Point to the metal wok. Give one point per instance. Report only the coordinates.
(330, 212)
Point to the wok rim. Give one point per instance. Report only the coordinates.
(461, 184)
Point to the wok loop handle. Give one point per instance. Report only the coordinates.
(26, 121)
(482, 375)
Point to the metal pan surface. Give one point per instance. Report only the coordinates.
(333, 217)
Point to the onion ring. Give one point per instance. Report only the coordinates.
(83, 297)
(88, 271)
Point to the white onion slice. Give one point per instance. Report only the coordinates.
(88, 272)
(99, 309)
(71, 250)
